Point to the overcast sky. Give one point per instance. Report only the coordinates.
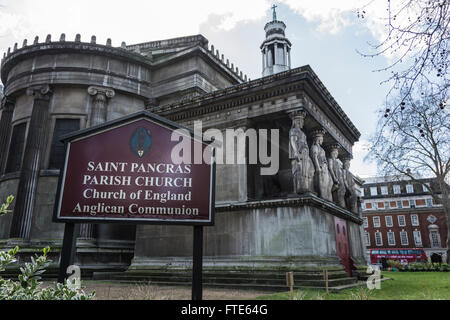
(325, 34)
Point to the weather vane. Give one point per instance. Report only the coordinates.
(274, 12)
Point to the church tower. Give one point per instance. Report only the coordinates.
(276, 49)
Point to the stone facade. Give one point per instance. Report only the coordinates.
(260, 219)
(50, 83)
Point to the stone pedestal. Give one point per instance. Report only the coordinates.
(274, 233)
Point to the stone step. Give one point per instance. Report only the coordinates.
(259, 275)
(229, 280)
(247, 286)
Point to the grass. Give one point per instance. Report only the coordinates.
(403, 286)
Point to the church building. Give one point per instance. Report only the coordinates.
(304, 218)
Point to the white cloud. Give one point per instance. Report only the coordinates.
(363, 169)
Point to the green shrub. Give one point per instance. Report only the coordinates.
(29, 286)
(394, 264)
(4, 207)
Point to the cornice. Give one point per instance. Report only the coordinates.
(305, 200)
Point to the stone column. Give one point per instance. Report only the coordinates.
(243, 125)
(5, 128)
(31, 165)
(99, 115)
(100, 107)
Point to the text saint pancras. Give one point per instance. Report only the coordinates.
(162, 168)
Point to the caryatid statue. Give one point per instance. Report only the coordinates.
(302, 165)
(322, 178)
(337, 174)
(351, 196)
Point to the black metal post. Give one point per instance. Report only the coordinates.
(68, 249)
(197, 264)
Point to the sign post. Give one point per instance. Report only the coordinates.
(197, 264)
(68, 250)
(129, 171)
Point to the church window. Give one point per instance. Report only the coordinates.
(57, 153)
(16, 148)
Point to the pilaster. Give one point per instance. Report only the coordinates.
(29, 174)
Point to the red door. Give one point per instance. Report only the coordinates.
(342, 244)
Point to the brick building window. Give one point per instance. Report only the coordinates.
(399, 205)
(404, 238)
(373, 191)
(435, 239)
(391, 238)
(412, 204)
(409, 188)
(366, 222)
(16, 148)
(384, 190)
(397, 189)
(389, 222)
(429, 203)
(376, 222)
(401, 221)
(415, 220)
(378, 238)
(417, 238)
(367, 239)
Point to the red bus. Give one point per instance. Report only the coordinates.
(405, 256)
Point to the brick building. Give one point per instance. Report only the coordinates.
(400, 213)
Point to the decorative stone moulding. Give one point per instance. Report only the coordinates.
(318, 132)
(108, 92)
(39, 92)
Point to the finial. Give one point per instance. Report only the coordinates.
(93, 39)
(9, 51)
(62, 38)
(274, 7)
(108, 42)
(48, 39)
(124, 45)
(217, 54)
(36, 40)
(24, 44)
(15, 46)
(78, 38)
(212, 49)
(228, 63)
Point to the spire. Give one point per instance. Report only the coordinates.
(276, 48)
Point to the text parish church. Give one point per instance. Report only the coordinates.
(305, 217)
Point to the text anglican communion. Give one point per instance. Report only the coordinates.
(114, 174)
